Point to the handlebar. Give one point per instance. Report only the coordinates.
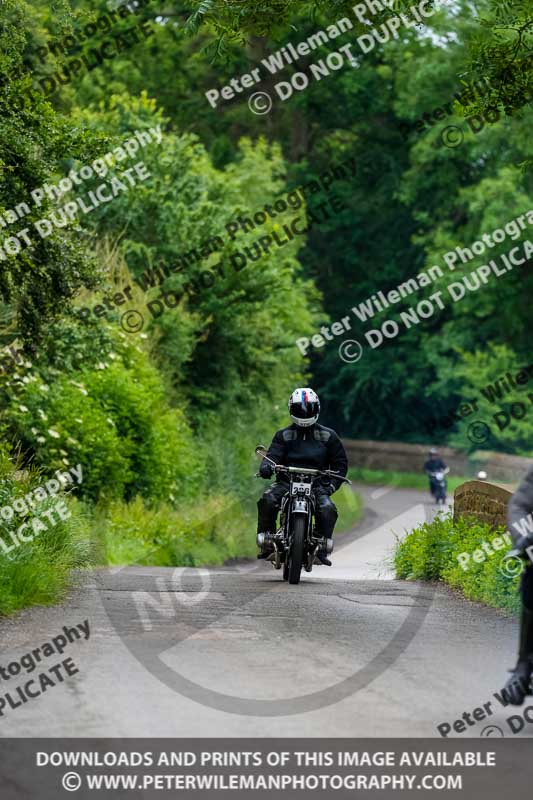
(307, 471)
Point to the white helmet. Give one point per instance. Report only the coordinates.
(304, 407)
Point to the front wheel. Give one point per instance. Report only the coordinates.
(296, 554)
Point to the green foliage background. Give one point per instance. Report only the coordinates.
(430, 553)
(165, 421)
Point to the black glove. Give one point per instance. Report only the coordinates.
(265, 470)
(331, 489)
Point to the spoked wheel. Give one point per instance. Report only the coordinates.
(296, 554)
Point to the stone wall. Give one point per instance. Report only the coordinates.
(400, 457)
(487, 502)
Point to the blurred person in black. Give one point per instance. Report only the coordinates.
(433, 466)
(520, 522)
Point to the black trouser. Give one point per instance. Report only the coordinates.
(526, 587)
(270, 503)
(435, 488)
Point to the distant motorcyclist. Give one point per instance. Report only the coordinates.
(520, 522)
(434, 462)
(305, 444)
(433, 466)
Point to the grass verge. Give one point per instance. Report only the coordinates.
(430, 552)
(403, 480)
(210, 532)
(39, 571)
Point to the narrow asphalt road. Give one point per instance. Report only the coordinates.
(237, 652)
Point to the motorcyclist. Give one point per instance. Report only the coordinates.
(520, 522)
(306, 444)
(434, 464)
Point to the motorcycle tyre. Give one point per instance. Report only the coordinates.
(296, 555)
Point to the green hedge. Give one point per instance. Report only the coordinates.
(430, 552)
(209, 532)
(402, 480)
(40, 571)
(113, 416)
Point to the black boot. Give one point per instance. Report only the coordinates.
(519, 684)
(326, 548)
(265, 545)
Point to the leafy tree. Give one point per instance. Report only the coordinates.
(501, 52)
(238, 328)
(38, 275)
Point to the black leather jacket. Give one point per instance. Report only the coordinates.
(434, 465)
(316, 447)
(520, 512)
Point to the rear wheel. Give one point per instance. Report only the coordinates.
(296, 554)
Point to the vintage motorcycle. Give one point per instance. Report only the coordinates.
(438, 487)
(296, 542)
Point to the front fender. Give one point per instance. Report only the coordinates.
(300, 507)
